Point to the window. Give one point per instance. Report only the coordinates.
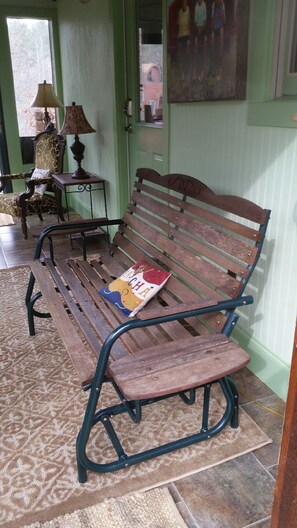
(149, 23)
(272, 78)
(286, 50)
(31, 57)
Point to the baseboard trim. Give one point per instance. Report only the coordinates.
(83, 208)
(269, 368)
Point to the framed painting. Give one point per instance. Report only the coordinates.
(207, 49)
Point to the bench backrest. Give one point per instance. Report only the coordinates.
(210, 243)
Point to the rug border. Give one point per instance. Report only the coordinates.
(91, 499)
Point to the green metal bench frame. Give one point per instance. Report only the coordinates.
(181, 303)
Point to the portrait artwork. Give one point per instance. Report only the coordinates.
(207, 49)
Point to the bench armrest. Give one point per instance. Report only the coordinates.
(191, 310)
(176, 309)
(75, 226)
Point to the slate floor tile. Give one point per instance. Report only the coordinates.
(231, 495)
(268, 414)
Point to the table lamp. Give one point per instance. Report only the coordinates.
(46, 98)
(75, 122)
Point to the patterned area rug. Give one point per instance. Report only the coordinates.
(41, 408)
(151, 509)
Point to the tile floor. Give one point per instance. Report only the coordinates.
(236, 494)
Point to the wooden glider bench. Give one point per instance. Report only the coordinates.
(180, 340)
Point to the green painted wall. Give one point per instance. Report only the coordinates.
(89, 79)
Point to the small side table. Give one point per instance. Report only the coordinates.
(64, 181)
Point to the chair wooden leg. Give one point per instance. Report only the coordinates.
(24, 227)
(60, 215)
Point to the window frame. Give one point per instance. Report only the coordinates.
(6, 81)
(285, 82)
(269, 46)
(49, 75)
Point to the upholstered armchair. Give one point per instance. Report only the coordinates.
(39, 197)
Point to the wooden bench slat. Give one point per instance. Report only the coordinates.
(83, 362)
(213, 217)
(188, 186)
(112, 316)
(140, 337)
(164, 244)
(114, 266)
(131, 246)
(216, 321)
(200, 268)
(218, 238)
(202, 249)
(178, 366)
(180, 292)
(85, 325)
(175, 352)
(91, 304)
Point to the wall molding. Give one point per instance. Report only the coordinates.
(269, 368)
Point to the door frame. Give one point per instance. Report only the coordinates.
(120, 68)
(4, 161)
(121, 158)
(284, 511)
(6, 81)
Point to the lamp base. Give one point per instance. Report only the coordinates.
(77, 148)
(80, 174)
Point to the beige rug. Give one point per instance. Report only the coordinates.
(41, 408)
(150, 509)
(5, 220)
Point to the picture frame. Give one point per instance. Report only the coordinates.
(207, 49)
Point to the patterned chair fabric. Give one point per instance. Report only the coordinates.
(48, 154)
(37, 205)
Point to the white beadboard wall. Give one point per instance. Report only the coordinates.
(214, 143)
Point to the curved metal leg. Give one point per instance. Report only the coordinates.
(122, 460)
(30, 301)
(234, 418)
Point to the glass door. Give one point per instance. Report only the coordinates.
(145, 125)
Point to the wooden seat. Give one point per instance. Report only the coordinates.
(180, 341)
(179, 366)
